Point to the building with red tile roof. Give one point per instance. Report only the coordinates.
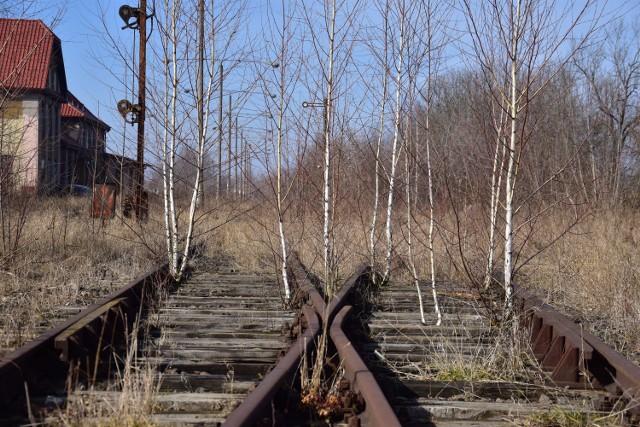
(30, 57)
(33, 85)
(48, 138)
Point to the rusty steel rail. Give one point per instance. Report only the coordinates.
(569, 350)
(35, 364)
(377, 410)
(561, 346)
(341, 297)
(304, 285)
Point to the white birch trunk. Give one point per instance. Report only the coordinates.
(328, 262)
(511, 170)
(172, 149)
(283, 242)
(432, 221)
(394, 153)
(414, 271)
(496, 185)
(179, 255)
(165, 159)
(376, 200)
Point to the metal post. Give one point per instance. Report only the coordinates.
(243, 178)
(219, 177)
(200, 100)
(248, 170)
(235, 163)
(229, 153)
(141, 212)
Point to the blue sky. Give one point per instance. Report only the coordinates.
(78, 32)
(93, 75)
(81, 31)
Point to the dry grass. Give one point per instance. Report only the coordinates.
(447, 361)
(593, 274)
(70, 260)
(66, 260)
(574, 417)
(127, 401)
(600, 256)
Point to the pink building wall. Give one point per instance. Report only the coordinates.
(28, 150)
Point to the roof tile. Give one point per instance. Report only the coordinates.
(25, 53)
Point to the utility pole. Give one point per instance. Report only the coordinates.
(248, 178)
(200, 98)
(219, 177)
(243, 166)
(229, 153)
(141, 204)
(235, 163)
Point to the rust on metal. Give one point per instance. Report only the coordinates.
(562, 347)
(104, 201)
(259, 401)
(254, 405)
(340, 299)
(570, 350)
(377, 409)
(40, 358)
(304, 285)
(74, 332)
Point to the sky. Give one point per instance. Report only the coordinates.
(93, 75)
(77, 31)
(81, 31)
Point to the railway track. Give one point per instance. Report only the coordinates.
(223, 349)
(441, 375)
(211, 342)
(14, 336)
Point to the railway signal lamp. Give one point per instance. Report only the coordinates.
(126, 108)
(130, 16)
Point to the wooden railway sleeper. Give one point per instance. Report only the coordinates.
(556, 340)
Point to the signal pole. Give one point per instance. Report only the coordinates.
(141, 204)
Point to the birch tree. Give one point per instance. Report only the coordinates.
(329, 43)
(329, 16)
(399, 55)
(328, 105)
(379, 168)
(435, 19)
(172, 78)
(520, 46)
(281, 111)
(283, 28)
(499, 154)
(330, 40)
(175, 126)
